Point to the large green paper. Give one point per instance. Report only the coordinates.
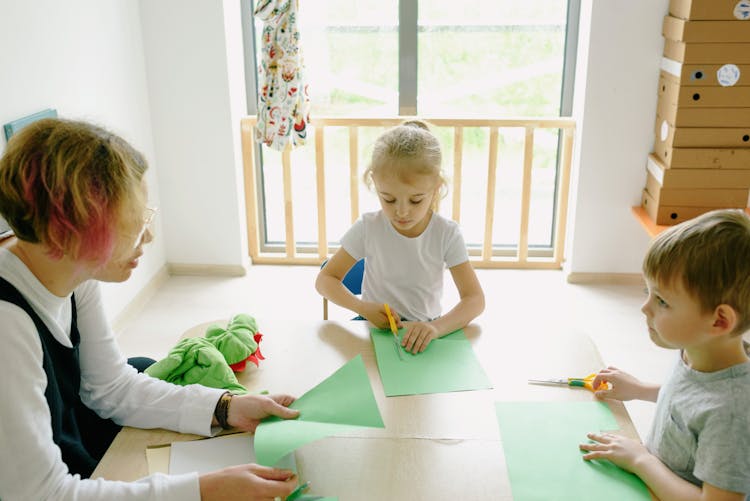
(448, 364)
(540, 441)
(342, 401)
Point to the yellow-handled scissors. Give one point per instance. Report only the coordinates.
(394, 329)
(582, 382)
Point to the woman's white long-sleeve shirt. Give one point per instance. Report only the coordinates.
(31, 465)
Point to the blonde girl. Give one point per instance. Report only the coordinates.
(406, 245)
(74, 195)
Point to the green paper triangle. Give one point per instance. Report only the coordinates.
(342, 400)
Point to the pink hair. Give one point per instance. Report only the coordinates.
(74, 187)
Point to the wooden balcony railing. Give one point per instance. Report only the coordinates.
(486, 255)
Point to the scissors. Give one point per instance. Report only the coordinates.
(394, 330)
(582, 382)
(297, 493)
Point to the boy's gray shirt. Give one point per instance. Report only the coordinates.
(701, 429)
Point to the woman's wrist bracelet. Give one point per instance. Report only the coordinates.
(221, 413)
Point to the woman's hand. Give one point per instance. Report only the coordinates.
(246, 411)
(247, 482)
(418, 336)
(622, 451)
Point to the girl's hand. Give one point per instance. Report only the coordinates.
(246, 411)
(624, 452)
(623, 385)
(375, 314)
(418, 336)
(247, 482)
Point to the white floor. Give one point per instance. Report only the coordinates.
(519, 303)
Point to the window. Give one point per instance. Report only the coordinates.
(432, 58)
(351, 54)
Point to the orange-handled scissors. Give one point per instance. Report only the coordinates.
(394, 329)
(585, 382)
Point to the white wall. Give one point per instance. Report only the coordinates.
(85, 59)
(196, 87)
(615, 107)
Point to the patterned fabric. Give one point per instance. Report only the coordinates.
(283, 103)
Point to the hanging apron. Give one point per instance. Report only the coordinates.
(283, 103)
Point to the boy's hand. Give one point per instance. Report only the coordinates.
(622, 451)
(418, 336)
(623, 386)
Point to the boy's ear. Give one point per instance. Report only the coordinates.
(725, 319)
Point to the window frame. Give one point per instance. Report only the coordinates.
(408, 30)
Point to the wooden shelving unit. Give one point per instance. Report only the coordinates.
(652, 228)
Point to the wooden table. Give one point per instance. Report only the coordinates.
(439, 446)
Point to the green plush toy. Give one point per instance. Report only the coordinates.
(196, 361)
(239, 342)
(213, 360)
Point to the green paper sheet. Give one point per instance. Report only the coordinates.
(540, 441)
(342, 401)
(448, 364)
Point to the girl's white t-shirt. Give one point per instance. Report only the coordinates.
(407, 273)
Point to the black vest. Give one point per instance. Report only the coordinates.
(69, 415)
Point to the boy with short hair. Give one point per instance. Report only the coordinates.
(698, 278)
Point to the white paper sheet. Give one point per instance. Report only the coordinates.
(212, 454)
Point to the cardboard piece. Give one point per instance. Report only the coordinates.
(680, 116)
(701, 158)
(683, 30)
(700, 137)
(729, 10)
(695, 197)
(704, 96)
(697, 178)
(700, 53)
(706, 75)
(667, 214)
(157, 458)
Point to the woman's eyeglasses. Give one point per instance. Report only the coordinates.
(148, 218)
